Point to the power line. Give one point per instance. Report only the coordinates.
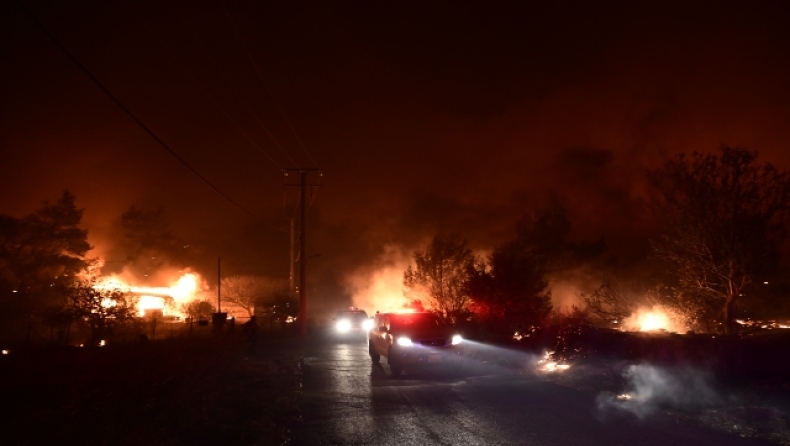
(216, 104)
(233, 87)
(314, 192)
(204, 90)
(126, 110)
(266, 85)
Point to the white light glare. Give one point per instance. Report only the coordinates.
(367, 324)
(457, 339)
(343, 325)
(404, 342)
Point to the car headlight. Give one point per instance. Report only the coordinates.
(457, 339)
(343, 325)
(404, 342)
(367, 324)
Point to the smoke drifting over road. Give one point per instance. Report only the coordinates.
(650, 388)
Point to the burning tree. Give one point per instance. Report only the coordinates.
(724, 220)
(440, 274)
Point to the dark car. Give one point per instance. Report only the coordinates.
(412, 339)
(352, 322)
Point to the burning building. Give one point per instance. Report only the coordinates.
(158, 301)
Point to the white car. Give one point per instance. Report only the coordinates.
(411, 339)
(352, 322)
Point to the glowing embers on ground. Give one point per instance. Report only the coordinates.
(151, 300)
(519, 335)
(768, 325)
(548, 364)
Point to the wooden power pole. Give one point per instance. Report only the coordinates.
(291, 264)
(303, 172)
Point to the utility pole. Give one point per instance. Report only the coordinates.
(218, 318)
(219, 286)
(303, 172)
(291, 271)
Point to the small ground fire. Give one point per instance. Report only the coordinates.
(652, 319)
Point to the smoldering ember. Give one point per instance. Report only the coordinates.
(221, 219)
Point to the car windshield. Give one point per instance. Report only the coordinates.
(415, 320)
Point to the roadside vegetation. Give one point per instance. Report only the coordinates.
(713, 293)
(720, 230)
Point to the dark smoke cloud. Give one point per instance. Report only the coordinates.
(439, 116)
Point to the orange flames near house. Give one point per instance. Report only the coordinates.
(168, 300)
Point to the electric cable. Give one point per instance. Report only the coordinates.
(180, 63)
(266, 84)
(233, 87)
(126, 110)
(314, 193)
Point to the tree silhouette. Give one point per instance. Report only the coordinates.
(439, 275)
(510, 289)
(724, 222)
(41, 254)
(249, 291)
(198, 309)
(100, 310)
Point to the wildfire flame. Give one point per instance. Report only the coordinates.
(652, 319)
(380, 286)
(155, 298)
(548, 364)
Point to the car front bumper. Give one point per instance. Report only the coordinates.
(421, 355)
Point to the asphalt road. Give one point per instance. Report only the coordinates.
(347, 400)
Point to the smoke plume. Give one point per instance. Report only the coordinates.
(651, 388)
(379, 286)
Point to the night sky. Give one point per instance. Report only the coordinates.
(423, 116)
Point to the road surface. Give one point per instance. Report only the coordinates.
(347, 400)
